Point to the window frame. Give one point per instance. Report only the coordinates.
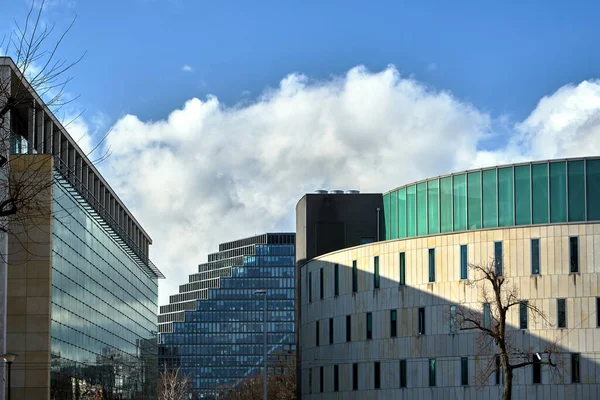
(336, 280)
(377, 374)
(393, 323)
(464, 371)
(432, 372)
(575, 368)
(487, 315)
(524, 314)
(317, 333)
(354, 276)
(402, 268)
(349, 328)
(575, 270)
(539, 262)
(421, 321)
(403, 378)
(558, 302)
(536, 370)
(431, 264)
(321, 284)
(376, 277)
(369, 325)
(464, 262)
(355, 376)
(336, 378)
(499, 259)
(331, 331)
(321, 380)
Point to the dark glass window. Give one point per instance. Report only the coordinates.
(498, 369)
(317, 333)
(321, 380)
(537, 369)
(474, 211)
(310, 380)
(431, 265)
(460, 202)
(535, 256)
(575, 368)
(354, 376)
(376, 272)
(321, 284)
(464, 264)
(377, 373)
(523, 195)
(369, 326)
(348, 328)
(464, 370)
(330, 330)
(506, 197)
(490, 198)
(393, 324)
(432, 372)
(402, 278)
(422, 208)
(558, 191)
(598, 312)
(336, 279)
(336, 378)
(574, 254)
(576, 180)
(402, 373)
(453, 321)
(354, 276)
(421, 321)
(310, 287)
(498, 258)
(487, 316)
(411, 211)
(523, 308)
(592, 171)
(402, 213)
(561, 305)
(433, 206)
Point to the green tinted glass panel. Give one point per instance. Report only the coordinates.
(433, 206)
(394, 215)
(506, 210)
(539, 193)
(411, 211)
(474, 200)
(386, 215)
(422, 208)
(402, 213)
(460, 202)
(490, 205)
(558, 192)
(446, 204)
(576, 191)
(523, 195)
(592, 170)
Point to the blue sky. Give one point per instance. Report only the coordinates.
(281, 98)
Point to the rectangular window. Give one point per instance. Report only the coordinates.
(446, 204)
(393, 323)
(402, 213)
(348, 328)
(433, 207)
(506, 197)
(537, 369)
(421, 321)
(535, 256)
(321, 284)
(561, 308)
(354, 277)
(464, 264)
(452, 319)
(523, 195)
(498, 369)
(487, 316)
(576, 180)
(310, 287)
(575, 368)
(386, 214)
(432, 372)
(402, 278)
(431, 265)
(354, 376)
(393, 215)
(310, 380)
(330, 330)
(321, 380)
(402, 373)
(422, 208)
(336, 280)
(490, 199)
(592, 172)
(523, 308)
(336, 378)
(464, 370)
(376, 272)
(369, 326)
(574, 254)
(474, 200)
(317, 334)
(460, 202)
(377, 373)
(498, 258)
(598, 312)
(539, 193)
(411, 211)
(558, 191)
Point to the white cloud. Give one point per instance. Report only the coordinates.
(211, 173)
(187, 68)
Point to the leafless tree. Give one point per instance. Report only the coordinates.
(496, 342)
(173, 385)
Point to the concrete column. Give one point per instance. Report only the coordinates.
(49, 136)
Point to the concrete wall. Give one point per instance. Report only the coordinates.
(30, 280)
(581, 335)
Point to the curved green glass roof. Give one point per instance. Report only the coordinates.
(541, 192)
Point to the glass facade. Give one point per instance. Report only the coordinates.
(219, 341)
(104, 322)
(532, 193)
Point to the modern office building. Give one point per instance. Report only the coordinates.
(82, 293)
(377, 319)
(213, 329)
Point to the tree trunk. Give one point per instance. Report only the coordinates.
(507, 390)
